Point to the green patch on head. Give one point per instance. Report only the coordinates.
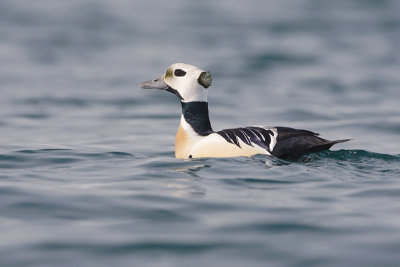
(205, 79)
(169, 73)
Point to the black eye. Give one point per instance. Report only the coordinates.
(179, 72)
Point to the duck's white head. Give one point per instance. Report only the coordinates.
(188, 82)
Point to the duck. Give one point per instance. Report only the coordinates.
(196, 138)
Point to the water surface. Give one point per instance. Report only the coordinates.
(87, 169)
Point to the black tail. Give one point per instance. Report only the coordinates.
(293, 143)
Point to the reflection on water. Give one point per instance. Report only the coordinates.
(192, 170)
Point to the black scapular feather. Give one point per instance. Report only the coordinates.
(248, 135)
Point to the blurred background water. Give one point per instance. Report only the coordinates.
(87, 169)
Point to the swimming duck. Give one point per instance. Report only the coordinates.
(196, 139)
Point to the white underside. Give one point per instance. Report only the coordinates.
(214, 145)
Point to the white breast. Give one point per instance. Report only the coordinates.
(214, 145)
(188, 144)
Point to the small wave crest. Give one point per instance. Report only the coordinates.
(352, 155)
(53, 157)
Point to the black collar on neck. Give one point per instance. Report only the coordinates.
(196, 114)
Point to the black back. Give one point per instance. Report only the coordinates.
(293, 143)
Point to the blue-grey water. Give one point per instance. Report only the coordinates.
(87, 169)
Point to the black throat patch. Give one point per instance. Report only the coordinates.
(175, 92)
(196, 114)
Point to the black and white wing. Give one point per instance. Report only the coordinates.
(264, 137)
(281, 142)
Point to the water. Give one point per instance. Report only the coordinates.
(87, 169)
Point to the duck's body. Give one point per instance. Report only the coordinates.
(188, 145)
(196, 139)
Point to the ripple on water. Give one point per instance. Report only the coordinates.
(54, 157)
(351, 164)
(165, 246)
(57, 101)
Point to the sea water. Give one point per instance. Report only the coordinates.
(87, 169)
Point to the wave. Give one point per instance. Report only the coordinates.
(355, 155)
(54, 156)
